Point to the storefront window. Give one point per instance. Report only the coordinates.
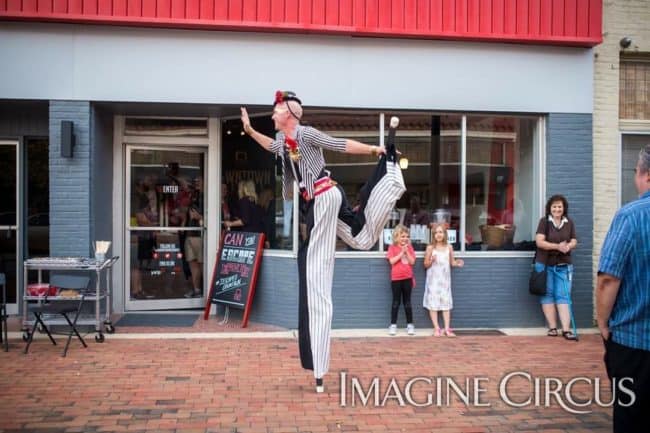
(432, 146)
(632, 145)
(477, 174)
(499, 183)
(349, 171)
(246, 163)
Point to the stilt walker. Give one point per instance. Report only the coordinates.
(326, 214)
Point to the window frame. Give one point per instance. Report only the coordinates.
(627, 127)
(539, 176)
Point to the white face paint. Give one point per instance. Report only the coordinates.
(280, 116)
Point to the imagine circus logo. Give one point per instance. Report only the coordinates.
(440, 391)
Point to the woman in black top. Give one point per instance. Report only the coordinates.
(554, 251)
(250, 216)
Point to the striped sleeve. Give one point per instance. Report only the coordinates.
(320, 139)
(617, 247)
(276, 145)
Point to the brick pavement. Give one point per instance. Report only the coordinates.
(256, 385)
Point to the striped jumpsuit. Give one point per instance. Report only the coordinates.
(326, 216)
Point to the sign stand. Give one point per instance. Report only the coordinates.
(235, 273)
(226, 316)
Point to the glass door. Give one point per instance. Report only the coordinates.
(165, 221)
(9, 220)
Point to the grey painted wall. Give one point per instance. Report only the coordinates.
(101, 175)
(70, 188)
(81, 186)
(569, 162)
(110, 63)
(489, 292)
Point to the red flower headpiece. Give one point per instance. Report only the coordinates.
(278, 97)
(284, 96)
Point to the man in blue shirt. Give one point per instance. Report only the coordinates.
(623, 304)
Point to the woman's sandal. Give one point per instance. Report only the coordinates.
(437, 333)
(449, 333)
(568, 335)
(552, 332)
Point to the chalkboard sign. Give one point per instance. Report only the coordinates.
(235, 273)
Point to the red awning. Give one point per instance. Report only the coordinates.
(548, 22)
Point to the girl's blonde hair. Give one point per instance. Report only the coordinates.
(397, 231)
(434, 227)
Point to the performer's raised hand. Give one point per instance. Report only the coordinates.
(261, 139)
(246, 122)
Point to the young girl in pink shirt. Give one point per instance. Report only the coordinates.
(401, 256)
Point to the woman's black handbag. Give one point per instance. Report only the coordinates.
(537, 281)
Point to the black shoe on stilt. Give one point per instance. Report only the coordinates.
(319, 385)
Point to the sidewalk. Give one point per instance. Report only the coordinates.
(255, 384)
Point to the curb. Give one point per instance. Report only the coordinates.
(293, 334)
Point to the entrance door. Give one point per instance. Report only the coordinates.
(165, 235)
(9, 220)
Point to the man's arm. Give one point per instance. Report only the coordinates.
(606, 291)
(359, 148)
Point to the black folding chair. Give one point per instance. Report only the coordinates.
(60, 307)
(3, 313)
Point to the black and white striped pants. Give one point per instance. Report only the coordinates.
(324, 218)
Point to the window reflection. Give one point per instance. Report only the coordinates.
(245, 162)
(500, 191)
(159, 267)
(432, 145)
(163, 186)
(632, 144)
(501, 205)
(167, 196)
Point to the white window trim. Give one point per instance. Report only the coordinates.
(627, 127)
(17, 226)
(213, 170)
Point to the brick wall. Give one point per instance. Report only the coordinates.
(70, 204)
(620, 18)
(488, 292)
